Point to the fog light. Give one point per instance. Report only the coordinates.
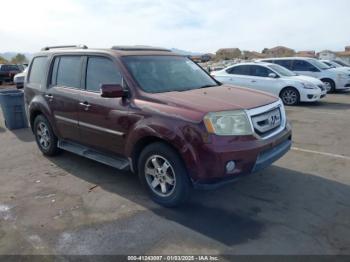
(230, 166)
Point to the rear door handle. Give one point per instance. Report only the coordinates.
(253, 81)
(86, 105)
(49, 97)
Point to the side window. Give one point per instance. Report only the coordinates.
(53, 81)
(68, 71)
(260, 71)
(239, 70)
(285, 63)
(38, 70)
(101, 70)
(301, 65)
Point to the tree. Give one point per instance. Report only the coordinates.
(19, 59)
(3, 60)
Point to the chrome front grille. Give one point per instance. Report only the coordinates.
(268, 120)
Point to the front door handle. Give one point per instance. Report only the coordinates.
(253, 81)
(86, 105)
(49, 97)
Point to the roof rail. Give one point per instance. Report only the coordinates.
(64, 46)
(140, 48)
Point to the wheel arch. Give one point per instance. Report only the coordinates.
(143, 142)
(289, 86)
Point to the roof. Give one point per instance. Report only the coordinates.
(115, 50)
(343, 53)
(287, 58)
(253, 63)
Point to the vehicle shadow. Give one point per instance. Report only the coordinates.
(326, 105)
(24, 134)
(235, 213)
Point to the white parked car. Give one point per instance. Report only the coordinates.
(19, 78)
(334, 64)
(275, 79)
(334, 78)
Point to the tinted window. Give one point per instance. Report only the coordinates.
(38, 70)
(239, 70)
(54, 72)
(68, 71)
(301, 65)
(285, 63)
(101, 70)
(260, 71)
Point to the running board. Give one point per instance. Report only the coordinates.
(110, 160)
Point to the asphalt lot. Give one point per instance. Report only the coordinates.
(71, 205)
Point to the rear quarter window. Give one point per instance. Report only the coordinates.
(38, 70)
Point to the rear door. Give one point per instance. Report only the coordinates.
(260, 79)
(238, 75)
(63, 94)
(103, 121)
(303, 67)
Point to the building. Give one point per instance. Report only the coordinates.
(309, 53)
(249, 55)
(344, 56)
(330, 55)
(228, 53)
(278, 51)
(326, 55)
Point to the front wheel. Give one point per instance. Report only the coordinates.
(163, 173)
(329, 85)
(290, 96)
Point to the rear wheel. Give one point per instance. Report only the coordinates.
(290, 96)
(45, 138)
(329, 85)
(164, 175)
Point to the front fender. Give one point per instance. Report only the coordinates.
(181, 136)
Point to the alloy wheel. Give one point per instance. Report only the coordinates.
(290, 97)
(43, 135)
(160, 175)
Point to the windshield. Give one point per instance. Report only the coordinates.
(340, 63)
(282, 71)
(319, 64)
(158, 74)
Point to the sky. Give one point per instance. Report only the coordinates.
(195, 25)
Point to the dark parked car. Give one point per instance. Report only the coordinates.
(154, 112)
(7, 72)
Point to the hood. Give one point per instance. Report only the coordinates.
(194, 104)
(309, 79)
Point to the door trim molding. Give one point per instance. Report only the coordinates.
(79, 123)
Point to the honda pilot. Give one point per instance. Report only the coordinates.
(155, 113)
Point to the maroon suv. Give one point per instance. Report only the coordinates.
(154, 112)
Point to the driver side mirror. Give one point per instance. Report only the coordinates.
(273, 75)
(112, 91)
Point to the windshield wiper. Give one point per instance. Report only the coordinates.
(205, 86)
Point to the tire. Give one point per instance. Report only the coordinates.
(331, 85)
(44, 136)
(168, 187)
(290, 96)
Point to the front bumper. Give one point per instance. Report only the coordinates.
(312, 95)
(342, 84)
(250, 155)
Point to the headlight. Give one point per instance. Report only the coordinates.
(228, 123)
(342, 76)
(309, 86)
